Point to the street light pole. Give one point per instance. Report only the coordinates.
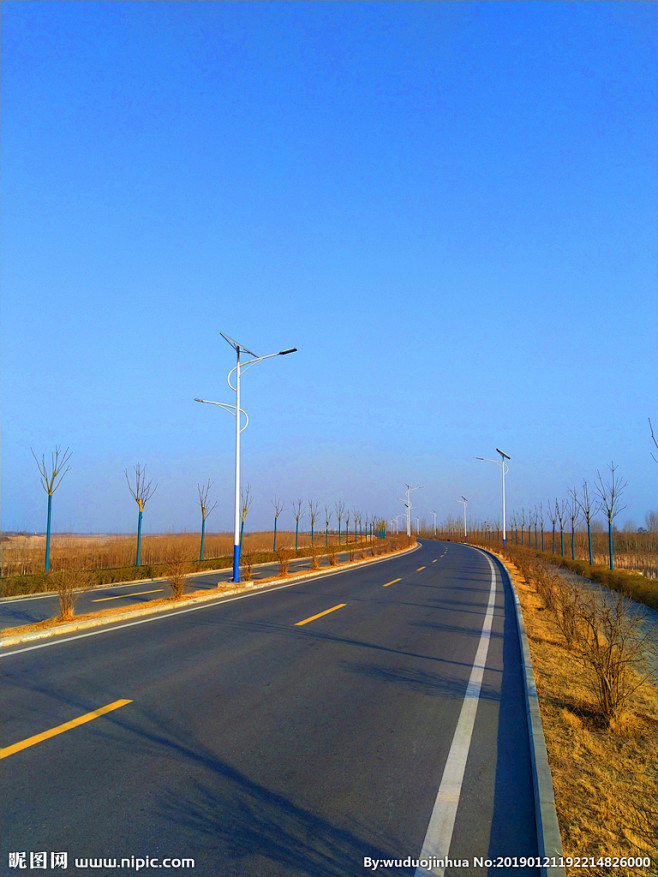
(239, 368)
(407, 502)
(464, 502)
(505, 468)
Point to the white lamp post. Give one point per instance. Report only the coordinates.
(238, 369)
(434, 516)
(407, 503)
(464, 502)
(505, 468)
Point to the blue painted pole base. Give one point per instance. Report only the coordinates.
(236, 563)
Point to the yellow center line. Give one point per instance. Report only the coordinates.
(23, 744)
(391, 583)
(135, 594)
(419, 568)
(435, 560)
(320, 614)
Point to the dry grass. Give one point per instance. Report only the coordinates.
(604, 779)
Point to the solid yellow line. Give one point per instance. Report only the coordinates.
(419, 568)
(23, 744)
(391, 583)
(320, 614)
(135, 594)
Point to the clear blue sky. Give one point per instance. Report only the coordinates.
(449, 208)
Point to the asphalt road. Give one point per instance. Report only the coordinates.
(292, 731)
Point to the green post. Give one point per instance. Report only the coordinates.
(203, 532)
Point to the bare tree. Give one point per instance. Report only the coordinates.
(560, 514)
(141, 493)
(51, 478)
(278, 508)
(574, 505)
(313, 506)
(297, 506)
(340, 511)
(246, 501)
(588, 510)
(610, 496)
(327, 519)
(552, 516)
(522, 520)
(206, 509)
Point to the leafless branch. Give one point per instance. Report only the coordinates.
(610, 493)
(204, 492)
(51, 475)
(143, 489)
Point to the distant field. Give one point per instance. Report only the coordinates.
(23, 554)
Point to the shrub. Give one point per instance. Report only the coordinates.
(70, 584)
(610, 647)
(283, 555)
(567, 611)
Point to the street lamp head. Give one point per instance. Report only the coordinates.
(283, 352)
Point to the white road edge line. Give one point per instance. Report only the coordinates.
(438, 838)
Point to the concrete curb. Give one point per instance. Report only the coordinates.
(548, 829)
(89, 623)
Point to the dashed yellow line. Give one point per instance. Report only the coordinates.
(67, 726)
(119, 596)
(320, 614)
(419, 568)
(391, 583)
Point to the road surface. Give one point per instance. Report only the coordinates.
(315, 729)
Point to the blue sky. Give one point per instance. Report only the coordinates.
(449, 208)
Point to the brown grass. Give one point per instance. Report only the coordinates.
(604, 779)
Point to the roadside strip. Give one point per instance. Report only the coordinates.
(191, 604)
(67, 726)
